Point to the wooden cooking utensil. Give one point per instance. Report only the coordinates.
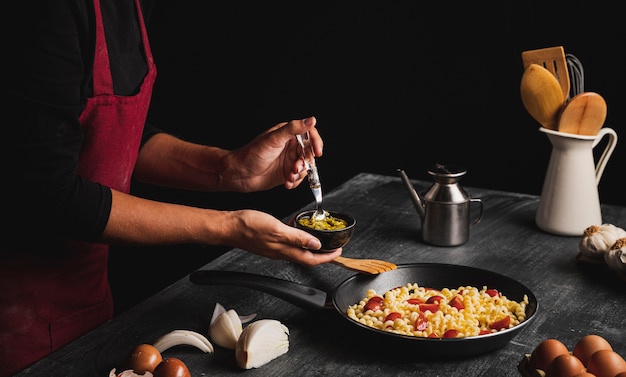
(369, 266)
(553, 59)
(584, 114)
(542, 96)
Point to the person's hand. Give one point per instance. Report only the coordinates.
(272, 158)
(263, 234)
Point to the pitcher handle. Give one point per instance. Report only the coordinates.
(608, 150)
(480, 215)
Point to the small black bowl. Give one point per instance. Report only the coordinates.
(330, 239)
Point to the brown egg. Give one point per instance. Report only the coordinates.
(606, 363)
(585, 374)
(545, 352)
(142, 358)
(171, 367)
(588, 345)
(565, 366)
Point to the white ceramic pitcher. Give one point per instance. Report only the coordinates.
(569, 199)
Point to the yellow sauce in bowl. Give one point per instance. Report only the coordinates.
(328, 223)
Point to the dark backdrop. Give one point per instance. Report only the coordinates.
(392, 84)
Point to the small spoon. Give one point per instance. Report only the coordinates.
(584, 114)
(314, 179)
(542, 95)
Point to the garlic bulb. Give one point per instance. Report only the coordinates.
(261, 342)
(615, 258)
(597, 240)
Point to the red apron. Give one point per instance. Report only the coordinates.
(49, 299)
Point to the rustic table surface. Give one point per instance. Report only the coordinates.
(574, 299)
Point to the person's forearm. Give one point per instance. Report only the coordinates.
(138, 221)
(167, 161)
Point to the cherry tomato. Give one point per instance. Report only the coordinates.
(431, 307)
(452, 333)
(374, 303)
(501, 324)
(484, 332)
(415, 301)
(457, 303)
(434, 299)
(421, 323)
(493, 292)
(432, 335)
(171, 367)
(142, 358)
(392, 316)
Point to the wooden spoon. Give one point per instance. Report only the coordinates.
(584, 114)
(542, 96)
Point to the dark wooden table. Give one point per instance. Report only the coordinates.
(574, 299)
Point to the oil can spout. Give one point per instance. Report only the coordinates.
(415, 198)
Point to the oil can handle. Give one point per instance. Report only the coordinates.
(480, 215)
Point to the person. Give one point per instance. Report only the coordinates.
(76, 87)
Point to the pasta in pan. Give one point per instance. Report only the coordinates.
(447, 313)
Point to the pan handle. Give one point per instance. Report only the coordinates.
(297, 294)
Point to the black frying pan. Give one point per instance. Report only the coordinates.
(353, 289)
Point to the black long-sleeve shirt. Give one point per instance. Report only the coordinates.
(48, 59)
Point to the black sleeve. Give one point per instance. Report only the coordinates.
(48, 55)
(149, 131)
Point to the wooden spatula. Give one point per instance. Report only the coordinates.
(553, 59)
(368, 266)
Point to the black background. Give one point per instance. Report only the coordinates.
(392, 84)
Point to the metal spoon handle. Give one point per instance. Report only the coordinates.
(308, 155)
